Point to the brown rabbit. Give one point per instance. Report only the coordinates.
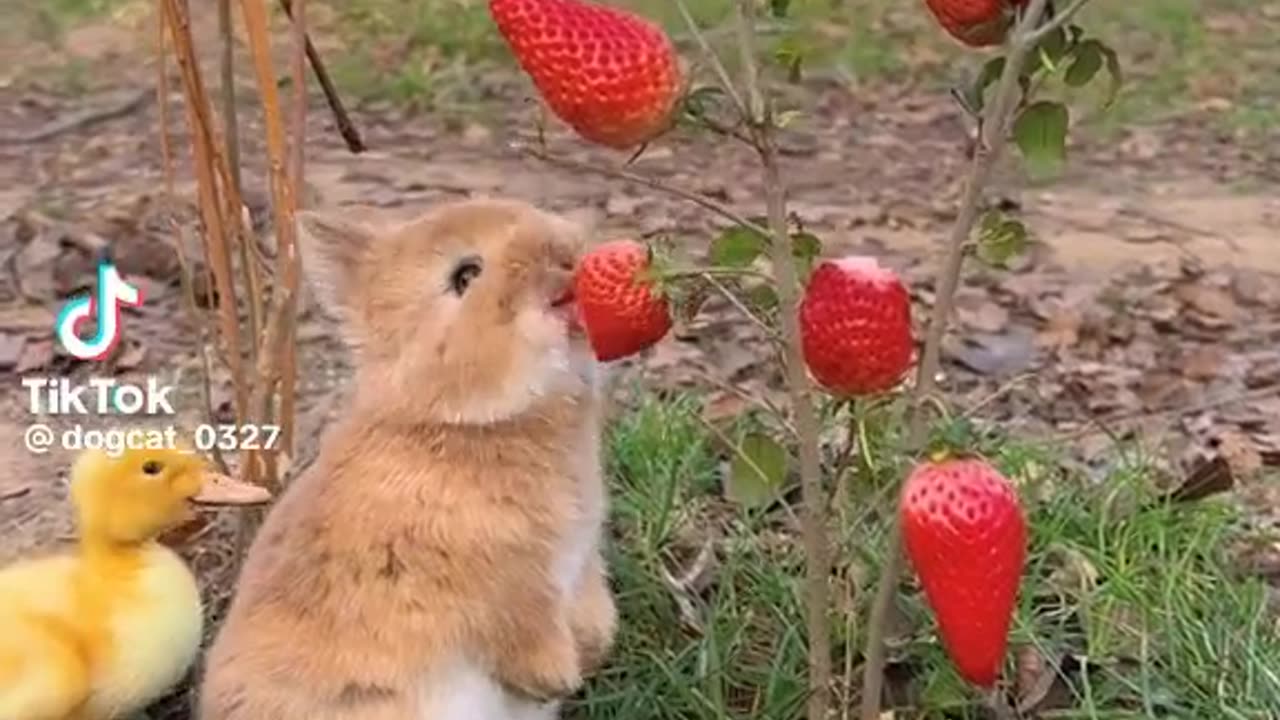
(440, 560)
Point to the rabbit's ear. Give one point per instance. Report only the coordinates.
(333, 250)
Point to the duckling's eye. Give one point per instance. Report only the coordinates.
(466, 270)
(152, 467)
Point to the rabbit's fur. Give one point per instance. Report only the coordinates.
(440, 560)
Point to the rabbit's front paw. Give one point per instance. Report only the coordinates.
(549, 668)
(594, 619)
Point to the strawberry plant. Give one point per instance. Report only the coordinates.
(841, 327)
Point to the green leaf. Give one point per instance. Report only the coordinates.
(805, 248)
(1087, 64)
(762, 298)
(737, 247)
(1054, 46)
(1113, 70)
(790, 53)
(702, 101)
(1001, 239)
(758, 469)
(1041, 134)
(779, 8)
(974, 97)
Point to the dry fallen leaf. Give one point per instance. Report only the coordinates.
(1240, 452)
(11, 346)
(1212, 306)
(1062, 330)
(26, 318)
(36, 355)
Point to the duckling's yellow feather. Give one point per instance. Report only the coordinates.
(103, 630)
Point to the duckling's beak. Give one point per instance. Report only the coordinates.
(218, 489)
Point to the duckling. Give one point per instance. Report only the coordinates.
(101, 631)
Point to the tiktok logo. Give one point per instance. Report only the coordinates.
(104, 306)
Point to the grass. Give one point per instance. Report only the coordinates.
(1138, 607)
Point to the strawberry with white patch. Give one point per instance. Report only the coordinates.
(440, 559)
(855, 326)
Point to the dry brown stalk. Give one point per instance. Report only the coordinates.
(198, 319)
(210, 167)
(249, 270)
(276, 338)
(298, 124)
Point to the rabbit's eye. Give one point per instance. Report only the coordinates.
(152, 467)
(466, 271)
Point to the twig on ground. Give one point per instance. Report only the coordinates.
(80, 120)
(653, 183)
(346, 128)
(999, 392)
(991, 142)
(15, 494)
(814, 522)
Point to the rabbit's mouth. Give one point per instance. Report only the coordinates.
(565, 306)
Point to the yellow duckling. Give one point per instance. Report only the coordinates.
(102, 631)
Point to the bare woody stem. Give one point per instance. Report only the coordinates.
(814, 516)
(723, 211)
(995, 126)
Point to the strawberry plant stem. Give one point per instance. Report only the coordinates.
(995, 126)
(705, 202)
(676, 273)
(721, 73)
(814, 520)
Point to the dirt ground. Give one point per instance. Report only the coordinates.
(1149, 309)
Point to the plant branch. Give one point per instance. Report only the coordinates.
(652, 183)
(231, 136)
(283, 203)
(741, 306)
(1056, 22)
(297, 164)
(814, 522)
(721, 72)
(210, 167)
(995, 126)
(185, 275)
(732, 272)
(346, 128)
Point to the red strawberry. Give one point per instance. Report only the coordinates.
(855, 326)
(620, 311)
(611, 75)
(976, 23)
(965, 535)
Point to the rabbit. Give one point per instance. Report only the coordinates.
(441, 558)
